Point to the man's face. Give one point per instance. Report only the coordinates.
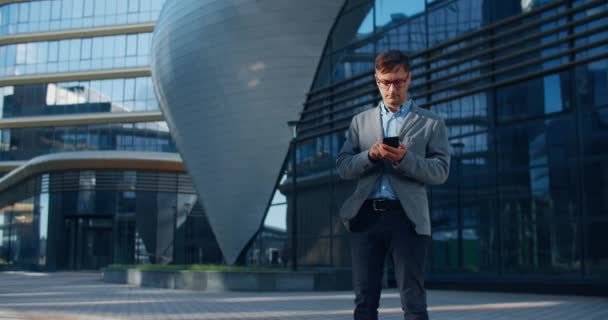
(393, 86)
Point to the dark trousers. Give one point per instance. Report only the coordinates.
(374, 235)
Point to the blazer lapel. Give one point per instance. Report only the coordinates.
(410, 120)
(377, 123)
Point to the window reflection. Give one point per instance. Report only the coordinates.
(539, 96)
(75, 54)
(117, 95)
(53, 15)
(25, 143)
(394, 11)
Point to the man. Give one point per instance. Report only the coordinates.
(388, 212)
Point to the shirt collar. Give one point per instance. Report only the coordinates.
(403, 109)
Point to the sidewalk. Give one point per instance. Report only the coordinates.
(83, 296)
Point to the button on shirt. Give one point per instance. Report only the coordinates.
(391, 124)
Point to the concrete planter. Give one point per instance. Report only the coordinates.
(232, 281)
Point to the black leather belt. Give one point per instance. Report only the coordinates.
(380, 205)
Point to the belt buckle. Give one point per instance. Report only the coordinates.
(378, 201)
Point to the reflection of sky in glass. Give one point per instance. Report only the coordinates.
(384, 10)
(367, 26)
(278, 198)
(553, 94)
(277, 213)
(277, 217)
(44, 214)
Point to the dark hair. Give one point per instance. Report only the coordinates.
(388, 61)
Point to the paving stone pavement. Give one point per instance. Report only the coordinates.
(33, 296)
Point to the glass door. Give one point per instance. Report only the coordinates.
(89, 242)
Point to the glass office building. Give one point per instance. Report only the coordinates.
(523, 87)
(90, 174)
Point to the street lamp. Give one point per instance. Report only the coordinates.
(294, 202)
(458, 147)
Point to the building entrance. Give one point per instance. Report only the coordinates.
(89, 242)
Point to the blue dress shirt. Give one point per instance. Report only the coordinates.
(391, 125)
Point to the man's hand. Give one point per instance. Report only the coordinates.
(374, 151)
(380, 150)
(393, 154)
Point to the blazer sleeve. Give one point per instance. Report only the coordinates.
(351, 162)
(434, 168)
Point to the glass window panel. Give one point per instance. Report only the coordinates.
(129, 89)
(86, 49)
(395, 11)
(122, 6)
(133, 5)
(75, 49)
(95, 88)
(35, 11)
(106, 90)
(100, 8)
(13, 14)
(141, 89)
(145, 5)
(131, 45)
(77, 8)
(545, 247)
(89, 8)
(538, 168)
(594, 131)
(534, 97)
(111, 7)
(120, 46)
(595, 184)
(592, 85)
(157, 4)
(597, 253)
(56, 10)
(108, 47)
(21, 53)
(98, 48)
(66, 9)
(449, 19)
(24, 12)
(151, 95)
(118, 90)
(2, 58)
(445, 249)
(53, 51)
(143, 44)
(64, 50)
(42, 54)
(45, 10)
(11, 54)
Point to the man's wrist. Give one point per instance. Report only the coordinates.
(399, 161)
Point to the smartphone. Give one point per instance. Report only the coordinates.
(391, 141)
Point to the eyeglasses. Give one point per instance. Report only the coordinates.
(387, 83)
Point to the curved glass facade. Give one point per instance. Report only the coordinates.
(522, 87)
(26, 143)
(88, 219)
(71, 55)
(54, 15)
(90, 96)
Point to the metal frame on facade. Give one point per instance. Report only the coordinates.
(117, 73)
(492, 36)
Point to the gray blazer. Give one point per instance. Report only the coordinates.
(427, 162)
